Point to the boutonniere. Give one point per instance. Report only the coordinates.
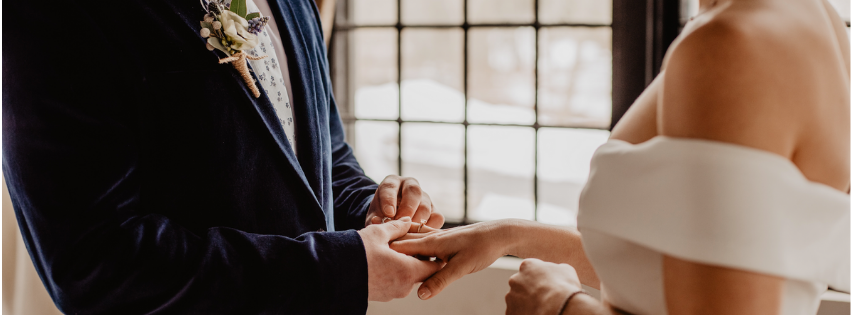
(228, 27)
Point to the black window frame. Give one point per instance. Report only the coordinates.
(641, 32)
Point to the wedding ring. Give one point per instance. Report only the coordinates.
(386, 219)
(420, 228)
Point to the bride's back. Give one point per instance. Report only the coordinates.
(773, 75)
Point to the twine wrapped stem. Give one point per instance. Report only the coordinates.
(239, 63)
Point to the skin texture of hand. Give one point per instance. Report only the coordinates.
(465, 249)
(392, 275)
(398, 197)
(540, 288)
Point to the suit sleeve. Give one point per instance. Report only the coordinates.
(71, 159)
(353, 191)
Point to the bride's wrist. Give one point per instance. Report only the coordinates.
(511, 236)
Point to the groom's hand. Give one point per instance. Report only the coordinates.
(392, 275)
(399, 197)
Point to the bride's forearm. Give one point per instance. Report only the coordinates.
(527, 239)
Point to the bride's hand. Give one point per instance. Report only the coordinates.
(465, 250)
(540, 287)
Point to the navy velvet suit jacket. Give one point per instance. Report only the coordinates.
(147, 179)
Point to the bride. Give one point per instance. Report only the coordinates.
(723, 190)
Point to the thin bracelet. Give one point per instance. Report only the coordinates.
(567, 300)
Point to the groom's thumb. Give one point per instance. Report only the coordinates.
(396, 228)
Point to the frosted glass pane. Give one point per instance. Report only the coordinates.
(433, 12)
(373, 12)
(564, 160)
(501, 170)
(376, 148)
(434, 155)
(500, 11)
(373, 72)
(433, 74)
(575, 11)
(501, 75)
(575, 77)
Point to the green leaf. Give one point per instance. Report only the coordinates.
(251, 16)
(207, 25)
(238, 7)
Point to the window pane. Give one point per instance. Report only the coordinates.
(564, 158)
(432, 12)
(575, 76)
(501, 166)
(377, 148)
(843, 8)
(432, 74)
(501, 77)
(373, 12)
(373, 69)
(575, 11)
(500, 11)
(434, 155)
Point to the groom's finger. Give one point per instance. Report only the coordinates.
(442, 278)
(387, 192)
(422, 269)
(412, 195)
(436, 220)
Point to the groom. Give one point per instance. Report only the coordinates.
(147, 178)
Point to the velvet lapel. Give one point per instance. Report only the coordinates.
(263, 104)
(309, 132)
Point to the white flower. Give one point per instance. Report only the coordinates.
(210, 47)
(208, 18)
(217, 25)
(205, 32)
(212, 41)
(236, 29)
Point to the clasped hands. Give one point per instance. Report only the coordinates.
(395, 236)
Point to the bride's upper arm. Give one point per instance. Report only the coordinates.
(693, 288)
(721, 83)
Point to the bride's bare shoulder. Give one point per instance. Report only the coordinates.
(746, 74)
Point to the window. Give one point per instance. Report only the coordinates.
(495, 106)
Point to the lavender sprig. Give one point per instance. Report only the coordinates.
(255, 25)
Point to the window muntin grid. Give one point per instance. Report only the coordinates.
(458, 118)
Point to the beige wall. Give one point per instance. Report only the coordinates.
(23, 292)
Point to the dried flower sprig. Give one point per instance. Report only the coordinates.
(227, 28)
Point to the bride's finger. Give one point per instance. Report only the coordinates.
(411, 236)
(422, 246)
(452, 271)
(421, 228)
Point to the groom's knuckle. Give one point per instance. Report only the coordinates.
(386, 185)
(414, 189)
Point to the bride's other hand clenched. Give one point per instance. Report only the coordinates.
(541, 288)
(465, 250)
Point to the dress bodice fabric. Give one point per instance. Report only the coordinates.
(713, 203)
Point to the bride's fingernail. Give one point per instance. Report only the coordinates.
(424, 293)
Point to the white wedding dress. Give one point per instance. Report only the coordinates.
(713, 203)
